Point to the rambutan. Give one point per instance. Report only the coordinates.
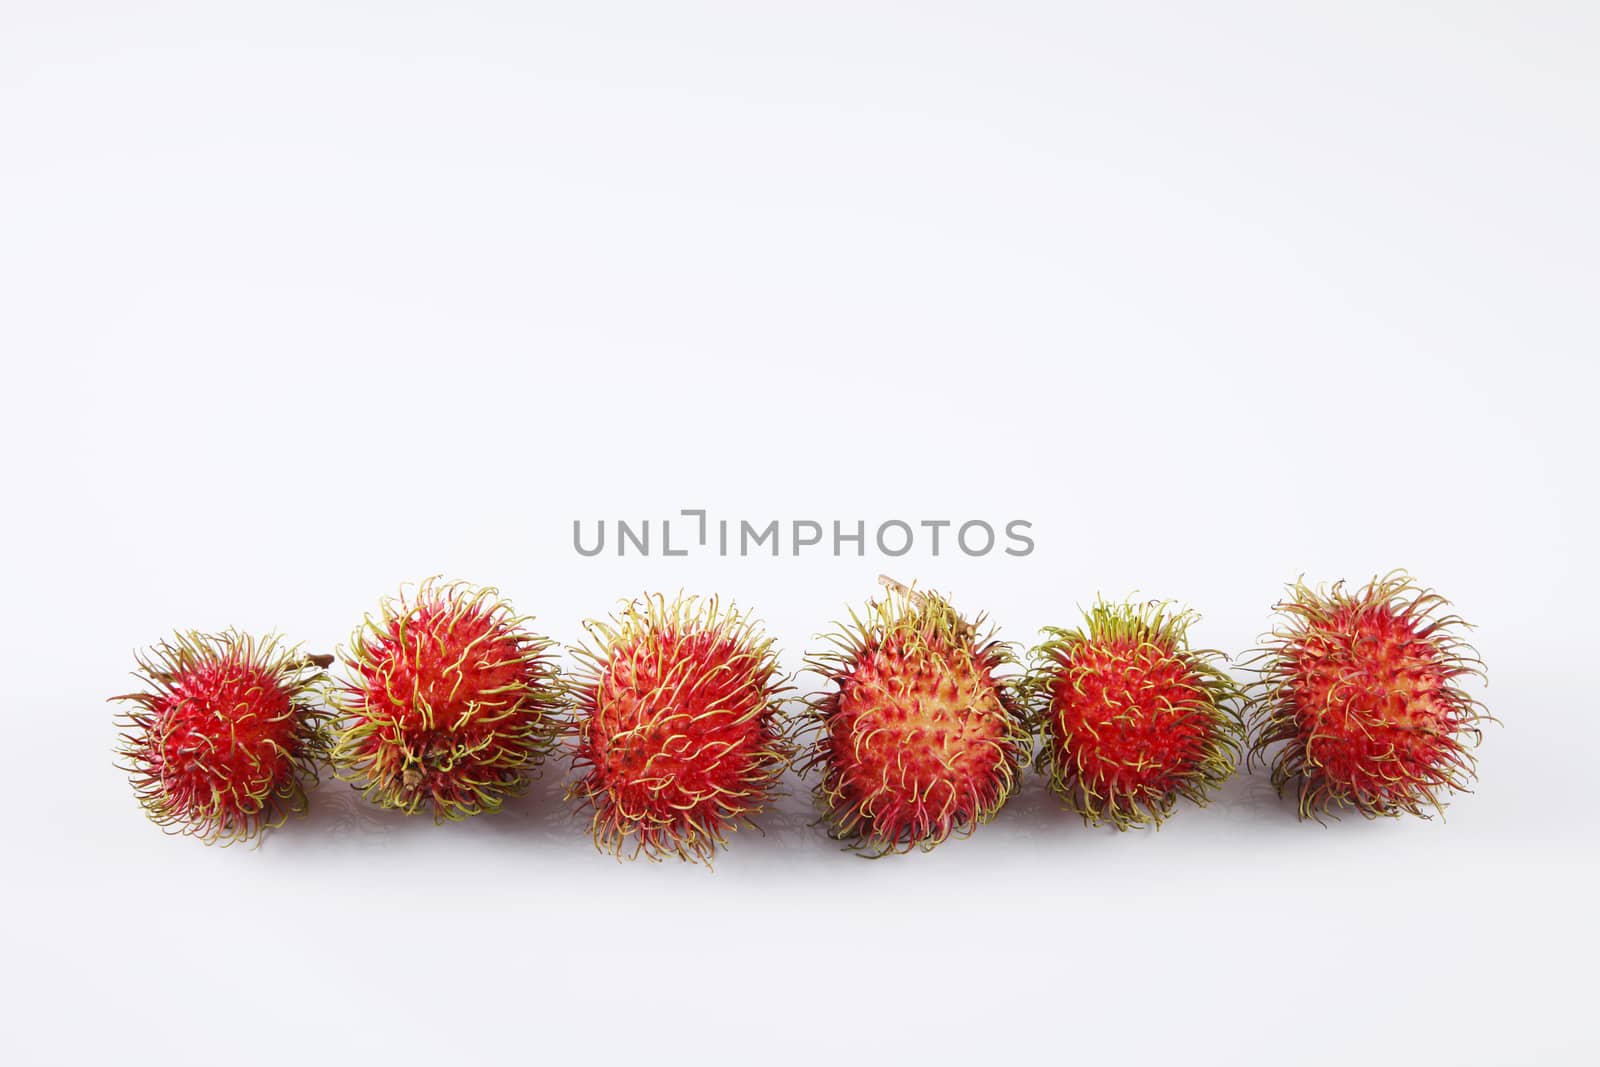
(1359, 693)
(1132, 718)
(678, 728)
(447, 704)
(919, 735)
(223, 740)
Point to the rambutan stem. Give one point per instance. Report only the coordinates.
(901, 588)
(921, 601)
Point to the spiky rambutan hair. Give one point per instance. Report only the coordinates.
(447, 703)
(918, 734)
(1358, 694)
(224, 737)
(1132, 719)
(678, 730)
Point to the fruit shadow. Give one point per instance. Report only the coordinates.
(338, 811)
(1245, 805)
(790, 833)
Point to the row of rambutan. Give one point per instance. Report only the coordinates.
(676, 723)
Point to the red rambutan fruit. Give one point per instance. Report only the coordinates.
(1359, 692)
(678, 727)
(447, 703)
(1132, 718)
(918, 736)
(223, 740)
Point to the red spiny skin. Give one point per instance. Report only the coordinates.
(448, 703)
(1133, 719)
(220, 745)
(677, 731)
(918, 739)
(226, 726)
(1132, 735)
(1361, 691)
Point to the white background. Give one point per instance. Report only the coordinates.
(302, 300)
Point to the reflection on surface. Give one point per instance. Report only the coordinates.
(788, 831)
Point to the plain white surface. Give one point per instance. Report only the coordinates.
(299, 301)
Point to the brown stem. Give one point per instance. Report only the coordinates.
(965, 628)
